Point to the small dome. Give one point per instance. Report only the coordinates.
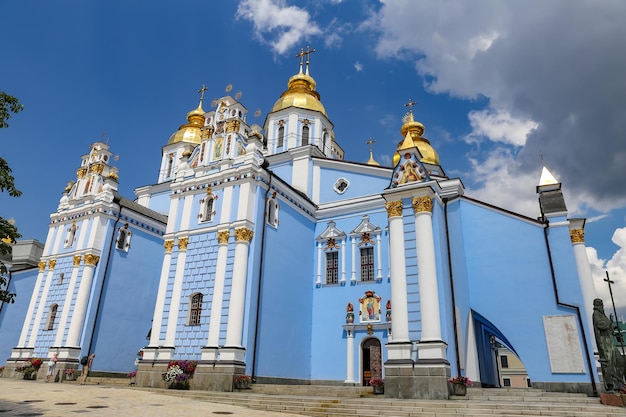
(190, 132)
(300, 93)
(416, 130)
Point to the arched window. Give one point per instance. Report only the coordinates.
(195, 309)
(272, 211)
(207, 207)
(60, 280)
(305, 135)
(52, 315)
(281, 137)
(170, 163)
(123, 238)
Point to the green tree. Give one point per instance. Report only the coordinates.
(8, 233)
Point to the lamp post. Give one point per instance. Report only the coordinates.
(609, 282)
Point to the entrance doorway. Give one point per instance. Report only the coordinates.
(371, 360)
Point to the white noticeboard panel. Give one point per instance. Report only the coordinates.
(563, 340)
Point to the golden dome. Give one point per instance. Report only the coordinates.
(416, 130)
(300, 93)
(190, 132)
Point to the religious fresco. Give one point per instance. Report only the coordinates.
(370, 307)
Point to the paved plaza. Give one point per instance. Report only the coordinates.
(37, 398)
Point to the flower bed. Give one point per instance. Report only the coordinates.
(30, 368)
(178, 374)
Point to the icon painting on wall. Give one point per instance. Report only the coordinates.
(370, 307)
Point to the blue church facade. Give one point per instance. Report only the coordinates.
(261, 251)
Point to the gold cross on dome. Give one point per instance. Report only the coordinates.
(370, 142)
(201, 91)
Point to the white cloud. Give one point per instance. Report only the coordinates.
(557, 66)
(279, 25)
(499, 126)
(616, 267)
(358, 66)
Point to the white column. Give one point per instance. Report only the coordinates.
(67, 303)
(350, 357)
(353, 274)
(31, 307)
(318, 282)
(218, 297)
(397, 264)
(234, 330)
(78, 316)
(177, 289)
(585, 278)
(157, 318)
(41, 306)
(379, 260)
(343, 261)
(427, 280)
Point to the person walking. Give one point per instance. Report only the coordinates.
(86, 368)
(52, 364)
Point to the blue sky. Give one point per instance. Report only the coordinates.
(499, 86)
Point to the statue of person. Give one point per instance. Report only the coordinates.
(611, 360)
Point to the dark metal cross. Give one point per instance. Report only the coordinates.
(201, 91)
(609, 282)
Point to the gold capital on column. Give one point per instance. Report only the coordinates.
(222, 237)
(42, 266)
(422, 204)
(243, 235)
(77, 260)
(394, 208)
(577, 236)
(91, 259)
(52, 263)
(182, 243)
(169, 245)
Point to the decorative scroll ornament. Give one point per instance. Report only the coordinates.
(97, 168)
(182, 243)
(169, 245)
(77, 260)
(91, 259)
(223, 236)
(394, 208)
(52, 263)
(232, 126)
(81, 172)
(577, 236)
(243, 235)
(42, 266)
(422, 204)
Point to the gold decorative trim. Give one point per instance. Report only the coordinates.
(52, 263)
(91, 259)
(232, 126)
(81, 172)
(243, 234)
(577, 236)
(97, 168)
(223, 236)
(182, 243)
(42, 266)
(77, 260)
(169, 245)
(422, 204)
(394, 208)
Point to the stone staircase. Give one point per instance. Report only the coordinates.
(335, 401)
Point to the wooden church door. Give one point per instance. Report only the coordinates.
(372, 364)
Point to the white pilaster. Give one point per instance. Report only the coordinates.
(157, 318)
(585, 278)
(427, 280)
(353, 273)
(31, 307)
(234, 329)
(318, 282)
(379, 260)
(177, 289)
(343, 261)
(397, 265)
(78, 316)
